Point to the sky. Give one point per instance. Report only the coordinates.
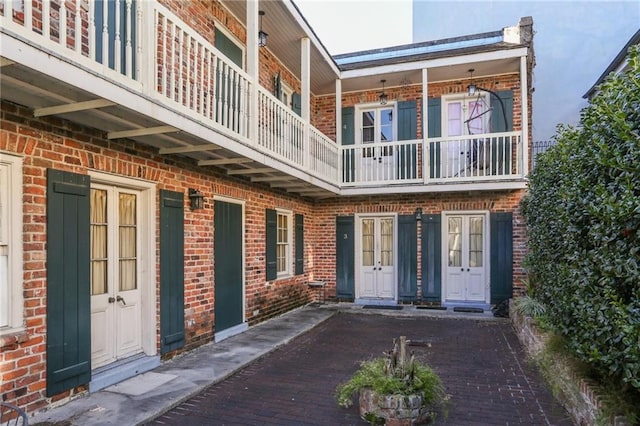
(575, 40)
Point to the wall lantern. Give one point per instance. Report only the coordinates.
(196, 198)
(383, 96)
(262, 36)
(418, 213)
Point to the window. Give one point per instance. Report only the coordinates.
(11, 302)
(283, 244)
(376, 124)
(467, 116)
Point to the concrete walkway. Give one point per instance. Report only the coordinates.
(308, 370)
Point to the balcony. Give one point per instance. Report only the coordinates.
(173, 90)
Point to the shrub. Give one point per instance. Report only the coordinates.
(583, 218)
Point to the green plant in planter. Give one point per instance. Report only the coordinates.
(397, 384)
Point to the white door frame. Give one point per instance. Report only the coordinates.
(147, 251)
(358, 258)
(486, 251)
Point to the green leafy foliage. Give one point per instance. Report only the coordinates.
(395, 373)
(583, 219)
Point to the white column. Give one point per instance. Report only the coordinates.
(524, 99)
(305, 83)
(425, 126)
(339, 129)
(253, 68)
(146, 51)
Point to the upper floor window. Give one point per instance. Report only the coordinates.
(226, 44)
(466, 116)
(376, 124)
(11, 302)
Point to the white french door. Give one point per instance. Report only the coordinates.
(465, 258)
(377, 258)
(463, 116)
(376, 126)
(116, 317)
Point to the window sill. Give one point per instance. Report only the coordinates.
(13, 337)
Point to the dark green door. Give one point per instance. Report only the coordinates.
(228, 238)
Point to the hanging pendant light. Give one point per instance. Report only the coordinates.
(262, 36)
(471, 88)
(383, 96)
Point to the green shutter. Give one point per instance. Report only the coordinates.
(296, 103)
(271, 244)
(171, 271)
(407, 130)
(434, 131)
(497, 115)
(299, 244)
(407, 258)
(225, 45)
(431, 257)
(277, 86)
(68, 281)
(345, 261)
(501, 240)
(501, 148)
(348, 138)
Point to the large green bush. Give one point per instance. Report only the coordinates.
(583, 217)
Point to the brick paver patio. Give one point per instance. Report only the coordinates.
(481, 364)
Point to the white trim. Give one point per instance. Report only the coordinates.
(244, 262)
(12, 165)
(445, 248)
(358, 257)
(147, 263)
(524, 108)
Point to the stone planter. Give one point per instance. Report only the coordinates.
(396, 410)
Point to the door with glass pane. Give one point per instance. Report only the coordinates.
(465, 257)
(116, 329)
(377, 253)
(376, 162)
(463, 117)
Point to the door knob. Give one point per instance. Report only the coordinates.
(112, 299)
(462, 269)
(121, 299)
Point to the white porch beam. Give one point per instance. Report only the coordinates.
(249, 171)
(141, 132)
(224, 161)
(73, 107)
(187, 149)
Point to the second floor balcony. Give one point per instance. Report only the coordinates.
(136, 70)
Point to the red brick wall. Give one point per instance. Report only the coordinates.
(325, 219)
(58, 144)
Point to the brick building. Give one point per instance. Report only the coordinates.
(166, 181)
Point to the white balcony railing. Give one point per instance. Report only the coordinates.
(182, 70)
